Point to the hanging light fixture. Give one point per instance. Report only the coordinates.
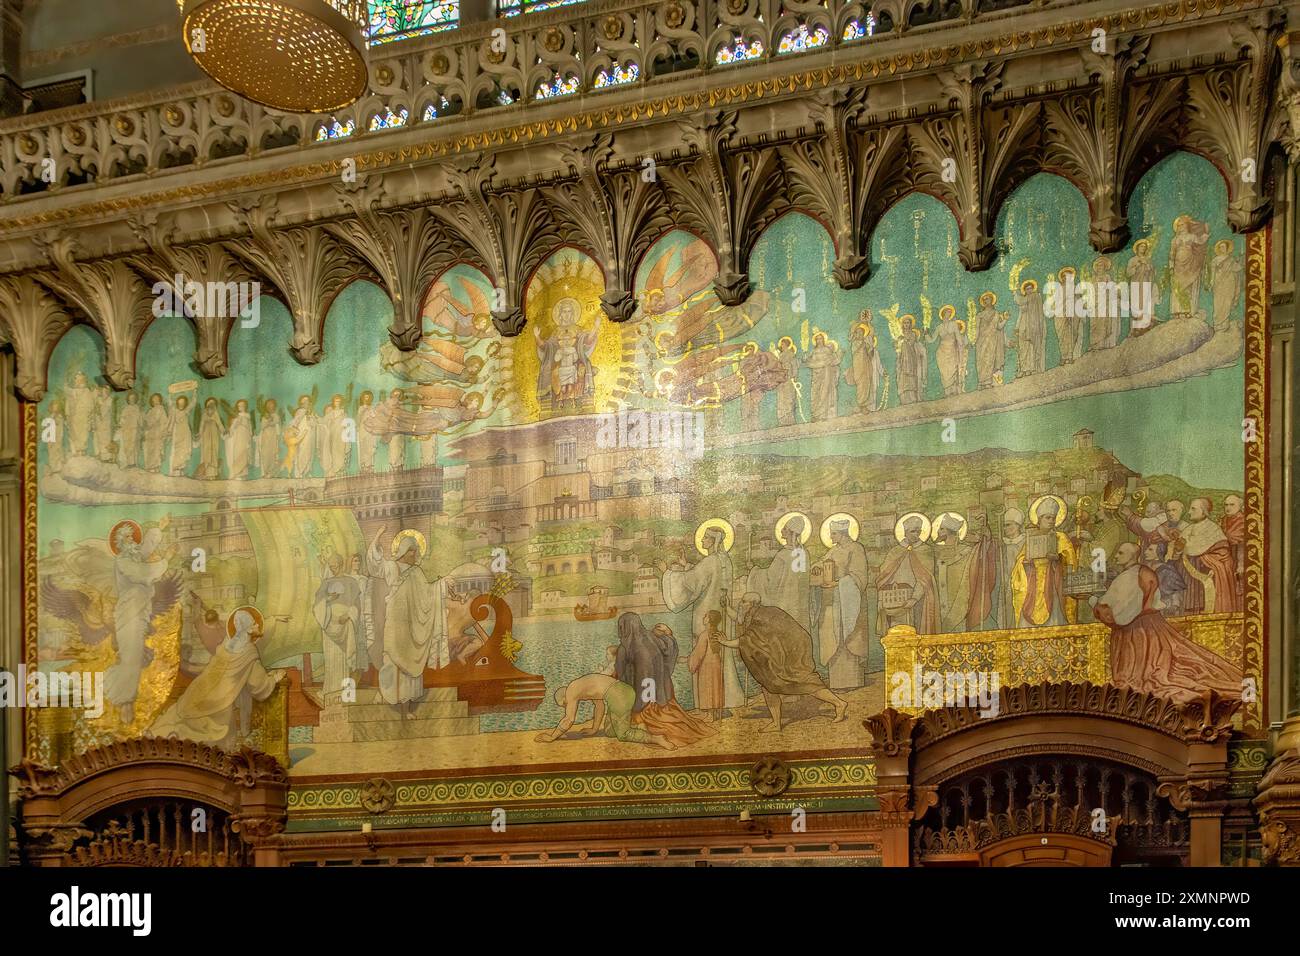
(300, 56)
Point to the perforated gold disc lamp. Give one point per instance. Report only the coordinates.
(299, 56)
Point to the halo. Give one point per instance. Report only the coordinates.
(947, 312)
(1031, 284)
(839, 516)
(112, 535)
(779, 530)
(722, 524)
(258, 622)
(898, 526)
(934, 525)
(420, 543)
(1060, 510)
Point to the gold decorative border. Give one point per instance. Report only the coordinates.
(31, 612)
(450, 798)
(842, 783)
(868, 68)
(1255, 587)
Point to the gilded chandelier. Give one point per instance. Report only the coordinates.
(300, 56)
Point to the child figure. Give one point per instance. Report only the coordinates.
(706, 667)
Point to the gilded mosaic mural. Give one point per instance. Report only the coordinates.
(706, 533)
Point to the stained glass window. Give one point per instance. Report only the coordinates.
(617, 75)
(334, 130)
(511, 8)
(387, 119)
(558, 86)
(739, 51)
(398, 19)
(801, 39)
(858, 29)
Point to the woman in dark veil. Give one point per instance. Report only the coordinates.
(651, 656)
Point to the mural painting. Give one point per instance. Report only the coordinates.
(709, 532)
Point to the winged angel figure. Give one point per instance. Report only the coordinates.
(125, 587)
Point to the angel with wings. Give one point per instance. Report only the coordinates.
(134, 570)
(447, 319)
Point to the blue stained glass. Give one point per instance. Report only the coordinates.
(334, 130)
(387, 119)
(399, 19)
(859, 29)
(431, 111)
(617, 75)
(558, 86)
(739, 51)
(801, 39)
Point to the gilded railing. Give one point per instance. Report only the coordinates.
(1031, 655)
(508, 66)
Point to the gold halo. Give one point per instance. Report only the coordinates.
(934, 525)
(420, 543)
(257, 620)
(782, 521)
(947, 312)
(839, 516)
(925, 526)
(1060, 511)
(728, 533)
(112, 535)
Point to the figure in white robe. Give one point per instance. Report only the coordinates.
(212, 434)
(785, 582)
(239, 442)
(1187, 267)
(1226, 282)
(1141, 271)
(104, 414)
(396, 452)
(337, 614)
(951, 354)
(824, 361)
(129, 426)
(843, 632)
(335, 447)
(80, 403)
(182, 437)
(300, 436)
(135, 576)
(216, 708)
(991, 342)
(1031, 330)
(367, 441)
(705, 588)
(865, 372)
(415, 627)
(54, 453)
(911, 364)
(156, 422)
(266, 456)
(1067, 319)
(787, 393)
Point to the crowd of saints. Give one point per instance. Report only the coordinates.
(663, 599)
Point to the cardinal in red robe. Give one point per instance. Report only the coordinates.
(1148, 653)
(1210, 562)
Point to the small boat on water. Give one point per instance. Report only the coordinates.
(597, 607)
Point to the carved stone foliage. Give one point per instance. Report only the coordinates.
(844, 142)
(31, 322)
(183, 268)
(617, 214)
(506, 234)
(726, 195)
(1234, 118)
(406, 248)
(106, 292)
(306, 265)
